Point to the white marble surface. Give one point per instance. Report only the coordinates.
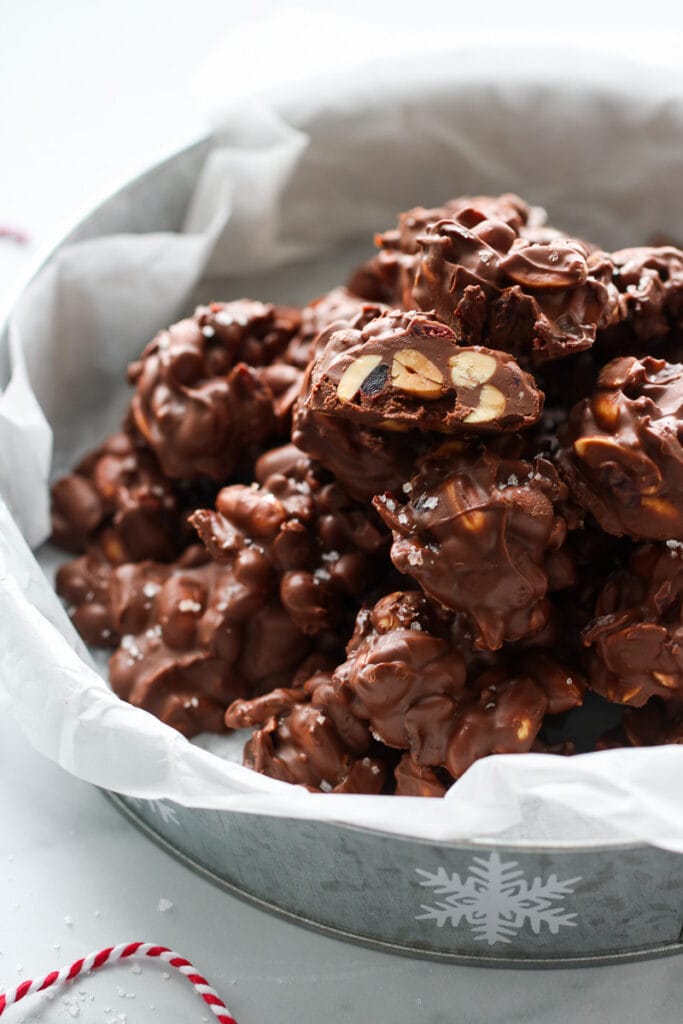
(90, 93)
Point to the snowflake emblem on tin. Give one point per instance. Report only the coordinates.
(496, 900)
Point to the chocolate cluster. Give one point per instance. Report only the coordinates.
(316, 547)
(406, 674)
(201, 408)
(406, 526)
(542, 300)
(309, 736)
(390, 276)
(623, 454)
(189, 636)
(635, 637)
(650, 281)
(479, 532)
(118, 501)
(656, 723)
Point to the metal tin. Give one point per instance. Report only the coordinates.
(489, 904)
(492, 904)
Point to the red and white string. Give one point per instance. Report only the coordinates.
(125, 951)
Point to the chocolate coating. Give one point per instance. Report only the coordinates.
(540, 300)
(657, 723)
(635, 636)
(118, 501)
(192, 639)
(197, 403)
(190, 635)
(83, 584)
(407, 678)
(414, 779)
(246, 331)
(406, 371)
(650, 280)
(322, 550)
(308, 737)
(594, 557)
(285, 384)
(400, 657)
(365, 462)
(339, 306)
(477, 532)
(623, 455)
(389, 277)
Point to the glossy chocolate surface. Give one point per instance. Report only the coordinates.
(623, 455)
(118, 501)
(198, 403)
(539, 300)
(635, 636)
(476, 530)
(406, 676)
(308, 736)
(318, 547)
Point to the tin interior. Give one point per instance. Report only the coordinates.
(156, 201)
(143, 212)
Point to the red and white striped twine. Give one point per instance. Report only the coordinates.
(13, 234)
(125, 951)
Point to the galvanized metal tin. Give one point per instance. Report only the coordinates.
(478, 903)
(491, 904)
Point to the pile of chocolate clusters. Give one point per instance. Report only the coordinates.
(410, 524)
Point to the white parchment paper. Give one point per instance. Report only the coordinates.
(287, 185)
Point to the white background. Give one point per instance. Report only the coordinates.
(90, 93)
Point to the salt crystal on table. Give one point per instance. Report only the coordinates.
(164, 905)
(71, 1006)
(68, 921)
(122, 994)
